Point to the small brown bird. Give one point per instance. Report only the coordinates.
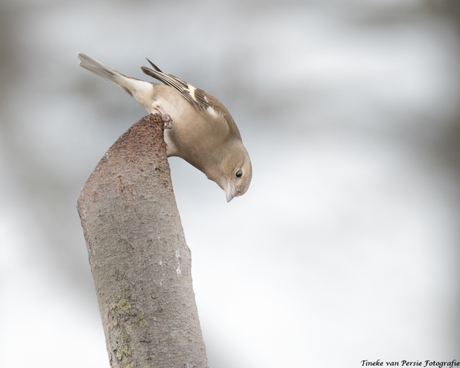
(202, 132)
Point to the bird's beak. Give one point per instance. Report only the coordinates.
(230, 191)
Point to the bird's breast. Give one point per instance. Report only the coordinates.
(195, 136)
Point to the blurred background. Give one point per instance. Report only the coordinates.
(346, 246)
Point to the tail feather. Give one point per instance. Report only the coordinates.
(141, 90)
(100, 69)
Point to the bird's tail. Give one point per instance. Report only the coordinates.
(101, 70)
(139, 89)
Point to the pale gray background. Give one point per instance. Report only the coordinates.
(346, 246)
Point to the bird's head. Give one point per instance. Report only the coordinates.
(236, 172)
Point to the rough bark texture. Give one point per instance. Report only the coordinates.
(139, 259)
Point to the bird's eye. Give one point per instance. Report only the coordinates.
(239, 174)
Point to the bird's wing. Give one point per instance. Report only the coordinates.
(198, 98)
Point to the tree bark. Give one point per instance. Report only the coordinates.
(140, 261)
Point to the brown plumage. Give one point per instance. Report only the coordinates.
(202, 132)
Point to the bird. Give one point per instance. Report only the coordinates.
(198, 127)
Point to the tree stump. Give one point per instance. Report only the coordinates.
(139, 259)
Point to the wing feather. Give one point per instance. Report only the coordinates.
(195, 96)
(199, 99)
